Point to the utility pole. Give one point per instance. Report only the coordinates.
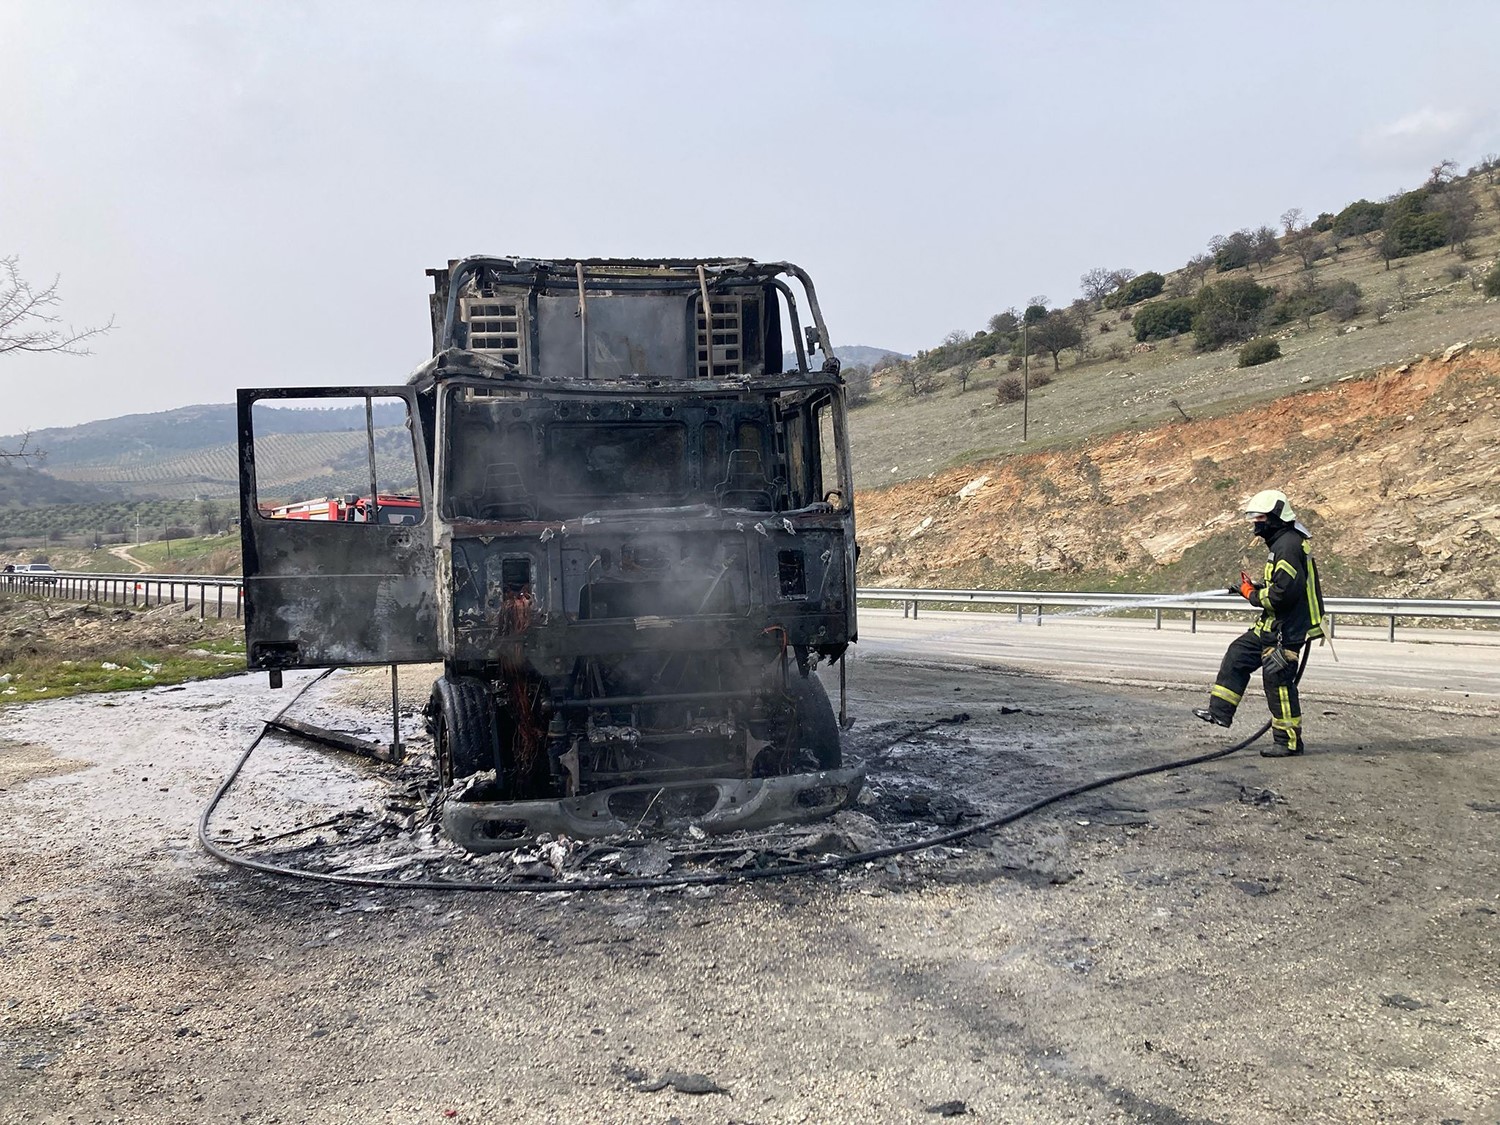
(137, 527)
(1025, 381)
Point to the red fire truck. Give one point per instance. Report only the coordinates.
(390, 508)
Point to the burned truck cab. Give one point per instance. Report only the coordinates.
(640, 539)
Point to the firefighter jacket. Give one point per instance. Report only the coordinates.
(1291, 600)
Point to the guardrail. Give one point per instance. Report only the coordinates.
(145, 590)
(141, 590)
(1389, 608)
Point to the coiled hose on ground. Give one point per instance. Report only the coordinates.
(704, 879)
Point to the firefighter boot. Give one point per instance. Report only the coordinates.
(1282, 750)
(1209, 717)
(1286, 739)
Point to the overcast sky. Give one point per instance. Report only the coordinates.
(253, 190)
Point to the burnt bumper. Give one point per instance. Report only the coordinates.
(715, 805)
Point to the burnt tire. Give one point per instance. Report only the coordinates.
(817, 725)
(464, 733)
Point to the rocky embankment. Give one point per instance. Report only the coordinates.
(1397, 474)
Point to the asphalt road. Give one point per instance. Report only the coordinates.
(1422, 666)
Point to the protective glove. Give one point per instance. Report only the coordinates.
(1248, 590)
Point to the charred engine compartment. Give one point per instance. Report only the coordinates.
(635, 548)
(643, 662)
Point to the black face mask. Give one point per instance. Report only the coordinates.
(1271, 526)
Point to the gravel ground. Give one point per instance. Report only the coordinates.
(1249, 941)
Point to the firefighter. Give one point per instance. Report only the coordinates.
(1291, 612)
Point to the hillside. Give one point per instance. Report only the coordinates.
(1396, 473)
(185, 453)
(1406, 307)
(22, 485)
(849, 355)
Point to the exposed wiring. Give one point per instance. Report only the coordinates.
(705, 879)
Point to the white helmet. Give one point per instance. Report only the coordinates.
(1270, 502)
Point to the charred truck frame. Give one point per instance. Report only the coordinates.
(635, 544)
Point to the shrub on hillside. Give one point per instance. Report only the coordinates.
(1228, 311)
(1492, 281)
(1323, 223)
(1360, 217)
(1343, 299)
(1400, 206)
(1234, 252)
(1413, 233)
(1009, 389)
(1164, 319)
(1340, 299)
(1040, 377)
(1137, 289)
(1259, 351)
(859, 382)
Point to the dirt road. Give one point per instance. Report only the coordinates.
(1250, 941)
(123, 552)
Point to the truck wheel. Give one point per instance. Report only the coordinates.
(817, 726)
(464, 736)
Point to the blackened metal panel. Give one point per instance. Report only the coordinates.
(628, 335)
(321, 593)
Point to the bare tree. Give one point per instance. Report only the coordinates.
(1309, 247)
(916, 380)
(1443, 173)
(1198, 265)
(1098, 284)
(23, 454)
(1291, 220)
(1456, 204)
(957, 338)
(1402, 292)
(964, 372)
(1263, 246)
(28, 322)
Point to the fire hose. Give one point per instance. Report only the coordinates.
(703, 879)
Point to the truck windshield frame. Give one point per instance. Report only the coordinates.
(507, 455)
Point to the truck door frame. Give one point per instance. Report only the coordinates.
(322, 594)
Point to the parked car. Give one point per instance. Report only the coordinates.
(41, 573)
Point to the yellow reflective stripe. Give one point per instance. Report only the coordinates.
(1220, 692)
(1265, 596)
(1292, 728)
(1282, 564)
(1314, 608)
(1285, 699)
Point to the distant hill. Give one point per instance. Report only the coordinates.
(849, 356)
(22, 487)
(180, 454)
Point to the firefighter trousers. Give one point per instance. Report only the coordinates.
(1245, 655)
